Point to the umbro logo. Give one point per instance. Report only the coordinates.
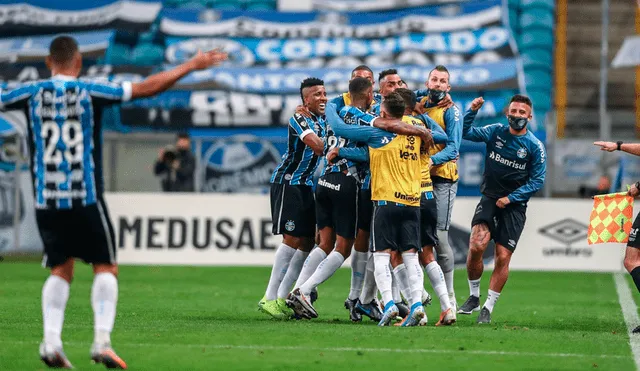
(566, 231)
(385, 140)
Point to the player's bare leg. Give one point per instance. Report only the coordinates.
(632, 265)
(496, 284)
(104, 298)
(55, 294)
(478, 242)
(436, 277)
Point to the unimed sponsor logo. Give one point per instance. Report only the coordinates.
(151, 232)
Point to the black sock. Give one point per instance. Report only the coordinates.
(635, 274)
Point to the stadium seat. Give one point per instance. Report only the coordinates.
(513, 19)
(536, 20)
(535, 39)
(118, 54)
(537, 56)
(514, 4)
(541, 99)
(226, 5)
(539, 4)
(260, 4)
(147, 54)
(538, 79)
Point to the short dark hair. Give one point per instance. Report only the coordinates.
(358, 87)
(394, 105)
(440, 68)
(183, 135)
(309, 82)
(521, 99)
(385, 73)
(361, 67)
(408, 96)
(63, 49)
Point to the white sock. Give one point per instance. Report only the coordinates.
(369, 287)
(104, 297)
(310, 265)
(55, 294)
(381, 261)
(415, 277)
(448, 279)
(280, 265)
(474, 287)
(401, 276)
(395, 288)
(436, 277)
(326, 269)
(492, 298)
(358, 268)
(295, 266)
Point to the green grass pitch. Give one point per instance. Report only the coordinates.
(206, 318)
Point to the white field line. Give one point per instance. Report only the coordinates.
(630, 314)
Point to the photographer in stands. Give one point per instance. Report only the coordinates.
(176, 165)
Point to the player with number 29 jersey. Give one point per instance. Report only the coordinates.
(65, 136)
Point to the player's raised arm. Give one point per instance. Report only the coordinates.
(302, 127)
(162, 81)
(536, 175)
(632, 148)
(453, 128)
(358, 154)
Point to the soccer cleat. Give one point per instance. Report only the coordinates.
(447, 318)
(282, 305)
(415, 316)
(370, 310)
(636, 330)
(107, 357)
(471, 305)
(313, 296)
(390, 313)
(426, 298)
(54, 358)
(300, 304)
(485, 316)
(403, 309)
(272, 308)
(351, 306)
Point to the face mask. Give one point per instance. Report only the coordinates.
(436, 96)
(517, 123)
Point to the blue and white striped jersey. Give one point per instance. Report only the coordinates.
(65, 136)
(299, 162)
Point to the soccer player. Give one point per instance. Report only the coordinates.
(444, 171)
(632, 252)
(395, 191)
(292, 201)
(66, 163)
(515, 167)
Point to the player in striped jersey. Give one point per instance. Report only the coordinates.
(65, 140)
(292, 200)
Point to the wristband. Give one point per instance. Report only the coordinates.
(619, 143)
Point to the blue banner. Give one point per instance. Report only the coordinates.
(439, 18)
(475, 46)
(23, 49)
(43, 16)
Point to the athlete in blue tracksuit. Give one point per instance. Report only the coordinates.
(515, 167)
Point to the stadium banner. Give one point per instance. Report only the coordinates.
(356, 24)
(482, 45)
(37, 17)
(373, 5)
(13, 128)
(234, 230)
(219, 109)
(34, 48)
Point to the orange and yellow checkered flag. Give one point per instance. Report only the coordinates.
(611, 218)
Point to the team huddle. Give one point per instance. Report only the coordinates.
(385, 197)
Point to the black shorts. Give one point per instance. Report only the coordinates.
(428, 219)
(634, 241)
(365, 210)
(505, 225)
(85, 233)
(293, 210)
(337, 204)
(395, 227)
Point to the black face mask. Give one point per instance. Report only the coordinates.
(436, 96)
(517, 123)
